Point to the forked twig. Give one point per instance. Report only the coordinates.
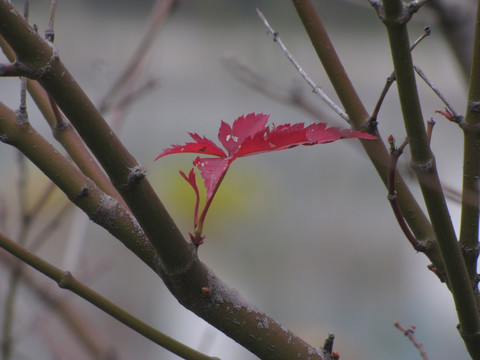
(426, 32)
(409, 333)
(457, 118)
(315, 88)
(392, 194)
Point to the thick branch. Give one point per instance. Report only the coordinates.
(191, 282)
(100, 207)
(471, 166)
(423, 162)
(40, 59)
(375, 149)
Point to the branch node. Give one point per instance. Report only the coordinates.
(427, 29)
(137, 173)
(328, 344)
(474, 106)
(38, 73)
(4, 139)
(425, 167)
(378, 6)
(84, 191)
(106, 211)
(22, 117)
(64, 283)
(370, 125)
(410, 334)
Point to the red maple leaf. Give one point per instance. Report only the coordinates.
(249, 135)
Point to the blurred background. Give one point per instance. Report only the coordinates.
(307, 235)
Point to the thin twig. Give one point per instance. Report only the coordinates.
(73, 320)
(392, 194)
(119, 108)
(10, 70)
(423, 162)
(40, 203)
(430, 125)
(60, 121)
(49, 33)
(15, 274)
(43, 235)
(414, 6)
(315, 88)
(409, 333)
(159, 14)
(265, 86)
(66, 280)
(426, 32)
(457, 118)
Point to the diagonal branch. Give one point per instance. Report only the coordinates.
(176, 261)
(315, 88)
(100, 207)
(392, 195)
(375, 149)
(66, 280)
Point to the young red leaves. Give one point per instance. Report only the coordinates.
(249, 135)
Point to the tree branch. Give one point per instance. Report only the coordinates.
(101, 208)
(72, 319)
(423, 163)
(315, 88)
(178, 265)
(375, 149)
(469, 230)
(65, 280)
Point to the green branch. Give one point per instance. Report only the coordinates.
(471, 166)
(423, 162)
(72, 319)
(66, 280)
(190, 281)
(376, 150)
(101, 208)
(39, 59)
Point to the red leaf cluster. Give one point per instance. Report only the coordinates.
(249, 135)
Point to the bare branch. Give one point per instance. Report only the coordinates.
(392, 78)
(265, 86)
(65, 280)
(49, 33)
(159, 14)
(315, 88)
(409, 333)
(457, 117)
(392, 194)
